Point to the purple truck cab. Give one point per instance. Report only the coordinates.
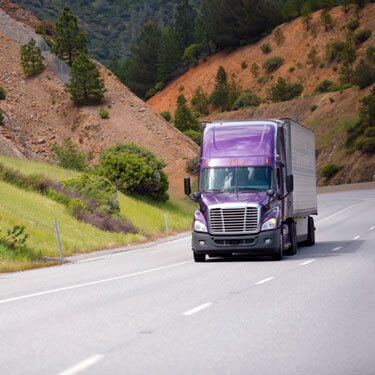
(257, 189)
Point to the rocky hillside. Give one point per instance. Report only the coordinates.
(38, 111)
(329, 114)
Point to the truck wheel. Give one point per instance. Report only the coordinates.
(199, 258)
(279, 255)
(311, 232)
(293, 239)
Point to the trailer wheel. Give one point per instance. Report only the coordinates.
(293, 238)
(311, 232)
(199, 257)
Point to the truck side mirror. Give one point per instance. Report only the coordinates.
(289, 183)
(187, 186)
(197, 195)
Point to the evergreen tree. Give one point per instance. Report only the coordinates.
(306, 16)
(220, 96)
(142, 66)
(184, 25)
(85, 86)
(169, 55)
(31, 59)
(184, 119)
(200, 101)
(327, 20)
(69, 39)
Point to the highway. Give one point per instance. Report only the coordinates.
(154, 311)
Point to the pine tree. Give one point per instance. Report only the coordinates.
(220, 96)
(31, 59)
(200, 101)
(184, 119)
(184, 25)
(327, 20)
(69, 39)
(85, 86)
(306, 16)
(169, 55)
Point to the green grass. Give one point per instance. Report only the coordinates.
(37, 213)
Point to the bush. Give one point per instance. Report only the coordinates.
(15, 238)
(321, 65)
(97, 189)
(340, 52)
(46, 28)
(104, 114)
(366, 144)
(1, 117)
(353, 24)
(31, 59)
(134, 170)
(246, 99)
(200, 101)
(291, 69)
(243, 65)
(313, 108)
(364, 74)
(191, 53)
(273, 64)
(361, 36)
(278, 36)
(370, 132)
(312, 57)
(324, 86)
(266, 48)
(196, 136)
(2, 93)
(370, 53)
(192, 165)
(330, 170)
(284, 91)
(68, 155)
(255, 70)
(262, 80)
(166, 116)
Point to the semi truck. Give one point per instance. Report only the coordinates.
(257, 189)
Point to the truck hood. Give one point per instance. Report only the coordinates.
(209, 199)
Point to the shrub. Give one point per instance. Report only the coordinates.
(2, 93)
(68, 155)
(327, 20)
(273, 64)
(166, 116)
(255, 70)
(353, 24)
(313, 107)
(243, 65)
(366, 144)
(364, 74)
(192, 52)
(346, 74)
(266, 48)
(192, 165)
(104, 114)
(321, 65)
(324, 86)
(15, 238)
(195, 135)
(361, 36)
(330, 170)
(246, 99)
(291, 69)
(283, 91)
(200, 101)
(134, 170)
(1, 117)
(340, 52)
(45, 28)
(369, 132)
(184, 119)
(278, 36)
(370, 53)
(312, 57)
(31, 59)
(95, 188)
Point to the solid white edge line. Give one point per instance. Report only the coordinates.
(337, 248)
(79, 367)
(307, 262)
(51, 291)
(264, 281)
(197, 309)
(356, 237)
(337, 213)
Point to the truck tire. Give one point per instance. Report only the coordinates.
(279, 255)
(199, 257)
(293, 239)
(310, 233)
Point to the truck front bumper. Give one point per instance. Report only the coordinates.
(263, 243)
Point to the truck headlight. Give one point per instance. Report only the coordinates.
(269, 224)
(199, 227)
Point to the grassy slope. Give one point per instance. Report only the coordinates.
(37, 213)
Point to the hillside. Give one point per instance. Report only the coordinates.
(334, 113)
(39, 112)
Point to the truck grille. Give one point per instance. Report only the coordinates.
(234, 220)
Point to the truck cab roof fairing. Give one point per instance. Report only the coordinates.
(250, 139)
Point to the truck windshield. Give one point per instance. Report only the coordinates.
(236, 179)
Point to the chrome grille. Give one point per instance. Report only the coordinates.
(234, 220)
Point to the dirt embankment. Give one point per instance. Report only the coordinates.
(39, 113)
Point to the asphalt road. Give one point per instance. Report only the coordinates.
(153, 311)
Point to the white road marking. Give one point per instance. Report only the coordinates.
(307, 262)
(337, 213)
(79, 367)
(264, 281)
(372, 228)
(337, 248)
(197, 309)
(51, 291)
(356, 237)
